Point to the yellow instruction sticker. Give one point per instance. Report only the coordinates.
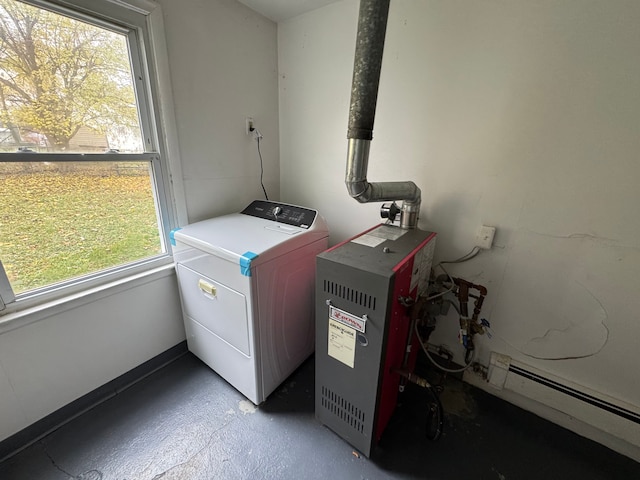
(342, 342)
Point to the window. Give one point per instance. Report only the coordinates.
(83, 195)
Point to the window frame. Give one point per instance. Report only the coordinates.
(141, 21)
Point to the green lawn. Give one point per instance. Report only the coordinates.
(57, 225)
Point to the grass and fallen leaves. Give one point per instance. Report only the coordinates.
(56, 225)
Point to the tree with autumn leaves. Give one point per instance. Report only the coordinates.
(58, 74)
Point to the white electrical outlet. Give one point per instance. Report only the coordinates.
(484, 237)
(249, 126)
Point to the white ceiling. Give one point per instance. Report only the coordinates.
(278, 10)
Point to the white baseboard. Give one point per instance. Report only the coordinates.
(608, 421)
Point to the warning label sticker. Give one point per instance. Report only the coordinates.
(379, 235)
(422, 268)
(342, 343)
(369, 240)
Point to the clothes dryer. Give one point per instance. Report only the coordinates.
(246, 284)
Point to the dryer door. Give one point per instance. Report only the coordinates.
(218, 308)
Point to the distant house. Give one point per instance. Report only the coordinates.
(88, 140)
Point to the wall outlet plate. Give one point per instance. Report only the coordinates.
(484, 237)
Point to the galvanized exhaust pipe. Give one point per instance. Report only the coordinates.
(372, 26)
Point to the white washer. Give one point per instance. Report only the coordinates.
(246, 283)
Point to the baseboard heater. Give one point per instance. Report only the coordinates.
(572, 392)
(603, 418)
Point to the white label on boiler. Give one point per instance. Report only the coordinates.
(342, 343)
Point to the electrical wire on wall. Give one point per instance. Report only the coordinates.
(472, 254)
(258, 136)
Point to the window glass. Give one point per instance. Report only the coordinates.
(65, 84)
(63, 220)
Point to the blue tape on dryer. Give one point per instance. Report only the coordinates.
(172, 235)
(245, 263)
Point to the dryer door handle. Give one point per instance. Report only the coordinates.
(206, 287)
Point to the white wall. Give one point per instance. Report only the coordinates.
(223, 60)
(56, 355)
(521, 115)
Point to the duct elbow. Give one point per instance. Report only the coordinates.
(410, 193)
(356, 174)
(359, 190)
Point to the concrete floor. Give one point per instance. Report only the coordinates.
(184, 422)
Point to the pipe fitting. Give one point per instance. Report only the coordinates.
(409, 213)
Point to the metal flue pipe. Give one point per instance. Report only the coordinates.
(372, 26)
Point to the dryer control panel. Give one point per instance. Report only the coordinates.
(281, 213)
